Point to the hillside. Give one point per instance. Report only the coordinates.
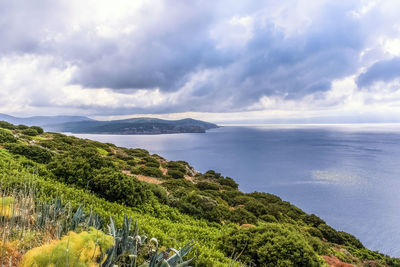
(43, 120)
(79, 124)
(134, 126)
(169, 200)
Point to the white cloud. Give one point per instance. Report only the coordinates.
(269, 60)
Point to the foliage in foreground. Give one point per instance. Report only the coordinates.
(80, 250)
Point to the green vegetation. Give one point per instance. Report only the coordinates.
(171, 201)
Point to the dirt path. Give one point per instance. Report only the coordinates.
(143, 178)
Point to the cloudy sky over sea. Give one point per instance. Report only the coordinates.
(223, 61)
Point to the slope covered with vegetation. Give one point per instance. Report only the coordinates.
(171, 201)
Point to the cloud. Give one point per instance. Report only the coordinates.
(385, 70)
(158, 57)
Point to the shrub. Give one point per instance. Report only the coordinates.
(176, 174)
(83, 249)
(315, 232)
(153, 164)
(313, 220)
(256, 207)
(150, 171)
(7, 137)
(211, 174)
(228, 182)
(178, 185)
(271, 245)
(150, 162)
(35, 153)
(242, 216)
(176, 165)
(268, 218)
(22, 127)
(207, 186)
(118, 187)
(38, 129)
(137, 152)
(6, 125)
(30, 132)
(159, 192)
(202, 206)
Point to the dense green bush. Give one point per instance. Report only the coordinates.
(159, 192)
(7, 137)
(118, 187)
(313, 220)
(207, 186)
(202, 206)
(150, 162)
(176, 165)
(137, 152)
(38, 129)
(228, 182)
(175, 174)
(211, 174)
(30, 132)
(271, 245)
(6, 125)
(35, 153)
(149, 171)
(153, 164)
(242, 216)
(22, 127)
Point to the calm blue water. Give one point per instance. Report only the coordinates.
(349, 176)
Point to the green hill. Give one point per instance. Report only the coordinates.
(169, 200)
(78, 124)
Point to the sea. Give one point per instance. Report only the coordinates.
(349, 175)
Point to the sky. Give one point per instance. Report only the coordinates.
(226, 61)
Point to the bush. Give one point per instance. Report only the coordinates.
(6, 125)
(228, 182)
(38, 129)
(153, 164)
(159, 192)
(268, 218)
(256, 207)
(176, 174)
(207, 186)
(150, 162)
(313, 220)
(211, 174)
(178, 185)
(137, 152)
(7, 137)
(84, 249)
(202, 206)
(176, 165)
(35, 153)
(22, 127)
(271, 245)
(30, 132)
(150, 171)
(118, 187)
(242, 216)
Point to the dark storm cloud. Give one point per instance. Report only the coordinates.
(384, 71)
(175, 44)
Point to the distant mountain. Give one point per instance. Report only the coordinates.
(134, 126)
(79, 124)
(42, 121)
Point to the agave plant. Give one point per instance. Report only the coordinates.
(127, 245)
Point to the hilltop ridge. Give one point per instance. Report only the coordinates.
(143, 125)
